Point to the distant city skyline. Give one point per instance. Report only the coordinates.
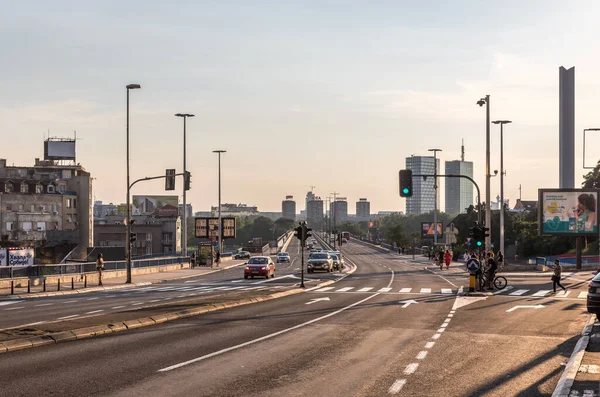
(299, 93)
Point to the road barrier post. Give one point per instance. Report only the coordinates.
(12, 287)
(85, 281)
(72, 283)
(59, 284)
(28, 285)
(44, 284)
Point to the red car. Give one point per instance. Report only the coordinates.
(261, 266)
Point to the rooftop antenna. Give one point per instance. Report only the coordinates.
(312, 187)
(462, 151)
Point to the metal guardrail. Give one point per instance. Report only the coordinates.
(80, 268)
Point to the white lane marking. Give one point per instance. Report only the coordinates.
(543, 292)
(563, 294)
(441, 330)
(366, 289)
(429, 345)
(411, 368)
(444, 325)
(15, 308)
(136, 304)
(422, 354)
(426, 290)
(446, 291)
(315, 300)
(30, 324)
(94, 311)
(154, 300)
(283, 331)
(505, 289)
(582, 295)
(519, 292)
(73, 301)
(524, 307)
(450, 315)
(251, 288)
(436, 336)
(166, 299)
(237, 281)
(405, 290)
(452, 311)
(110, 296)
(66, 317)
(44, 304)
(232, 288)
(345, 289)
(384, 290)
(117, 307)
(397, 386)
(9, 303)
(324, 289)
(92, 299)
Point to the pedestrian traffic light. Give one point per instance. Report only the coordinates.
(132, 237)
(170, 180)
(486, 232)
(406, 188)
(187, 180)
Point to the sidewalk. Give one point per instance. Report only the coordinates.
(113, 283)
(587, 379)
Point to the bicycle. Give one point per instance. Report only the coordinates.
(499, 282)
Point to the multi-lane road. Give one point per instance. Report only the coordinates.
(392, 327)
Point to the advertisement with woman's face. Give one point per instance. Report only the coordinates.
(568, 211)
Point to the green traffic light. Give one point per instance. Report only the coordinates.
(479, 243)
(405, 190)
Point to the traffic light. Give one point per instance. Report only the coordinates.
(170, 180)
(406, 188)
(132, 237)
(479, 236)
(187, 180)
(306, 233)
(486, 232)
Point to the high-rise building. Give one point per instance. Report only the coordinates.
(363, 209)
(339, 210)
(310, 196)
(288, 208)
(314, 213)
(423, 197)
(459, 191)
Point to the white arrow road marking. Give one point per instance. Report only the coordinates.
(317, 300)
(9, 303)
(408, 303)
(524, 307)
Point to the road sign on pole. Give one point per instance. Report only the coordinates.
(473, 265)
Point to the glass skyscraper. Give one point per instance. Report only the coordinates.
(459, 191)
(423, 197)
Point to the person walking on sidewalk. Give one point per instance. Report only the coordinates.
(447, 258)
(99, 268)
(500, 260)
(441, 259)
(556, 276)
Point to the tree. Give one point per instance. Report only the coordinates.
(592, 179)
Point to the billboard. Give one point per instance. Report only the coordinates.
(568, 212)
(20, 256)
(2, 257)
(59, 149)
(209, 227)
(427, 230)
(143, 205)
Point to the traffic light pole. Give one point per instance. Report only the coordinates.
(302, 245)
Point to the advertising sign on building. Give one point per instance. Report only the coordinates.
(2, 257)
(209, 227)
(427, 229)
(20, 256)
(568, 212)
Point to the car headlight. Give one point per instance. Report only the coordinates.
(264, 268)
(247, 267)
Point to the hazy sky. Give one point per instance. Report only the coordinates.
(328, 93)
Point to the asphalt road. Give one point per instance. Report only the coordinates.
(391, 328)
(37, 311)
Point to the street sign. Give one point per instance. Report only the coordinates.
(473, 265)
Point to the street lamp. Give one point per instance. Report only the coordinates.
(488, 209)
(435, 199)
(184, 230)
(502, 122)
(220, 225)
(128, 223)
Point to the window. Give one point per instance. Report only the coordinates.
(39, 189)
(9, 226)
(24, 188)
(66, 174)
(62, 188)
(32, 207)
(148, 236)
(41, 226)
(43, 208)
(8, 187)
(50, 188)
(69, 218)
(74, 203)
(26, 226)
(68, 203)
(20, 207)
(9, 207)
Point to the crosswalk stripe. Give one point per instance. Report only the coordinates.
(446, 291)
(542, 292)
(345, 289)
(519, 292)
(384, 290)
(405, 290)
(563, 294)
(583, 295)
(365, 289)
(425, 290)
(325, 289)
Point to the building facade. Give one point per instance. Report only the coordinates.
(459, 191)
(288, 208)
(363, 209)
(314, 214)
(423, 198)
(102, 210)
(234, 210)
(339, 210)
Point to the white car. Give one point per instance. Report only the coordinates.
(283, 257)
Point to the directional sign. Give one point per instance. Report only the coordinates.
(316, 300)
(524, 307)
(473, 265)
(408, 303)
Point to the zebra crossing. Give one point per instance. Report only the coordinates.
(509, 291)
(198, 289)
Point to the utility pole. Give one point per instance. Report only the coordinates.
(334, 206)
(435, 195)
(502, 122)
(302, 245)
(185, 187)
(488, 208)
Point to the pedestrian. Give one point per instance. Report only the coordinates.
(193, 259)
(492, 267)
(99, 268)
(218, 257)
(447, 258)
(556, 276)
(441, 259)
(500, 260)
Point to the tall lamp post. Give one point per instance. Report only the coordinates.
(184, 229)
(220, 221)
(488, 209)
(128, 220)
(435, 198)
(502, 122)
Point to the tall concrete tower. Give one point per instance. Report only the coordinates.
(566, 133)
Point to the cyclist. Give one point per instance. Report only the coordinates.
(491, 269)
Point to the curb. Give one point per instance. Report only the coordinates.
(563, 388)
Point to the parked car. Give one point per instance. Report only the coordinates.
(283, 257)
(320, 261)
(259, 266)
(242, 255)
(593, 298)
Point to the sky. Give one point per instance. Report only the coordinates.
(331, 94)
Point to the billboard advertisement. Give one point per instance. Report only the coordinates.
(144, 205)
(568, 212)
(2, 257)
(427, 229)
(209, 227)
(59, 150)
(20, 257)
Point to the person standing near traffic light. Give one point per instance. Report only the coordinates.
(492, 267)
(447, 258)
